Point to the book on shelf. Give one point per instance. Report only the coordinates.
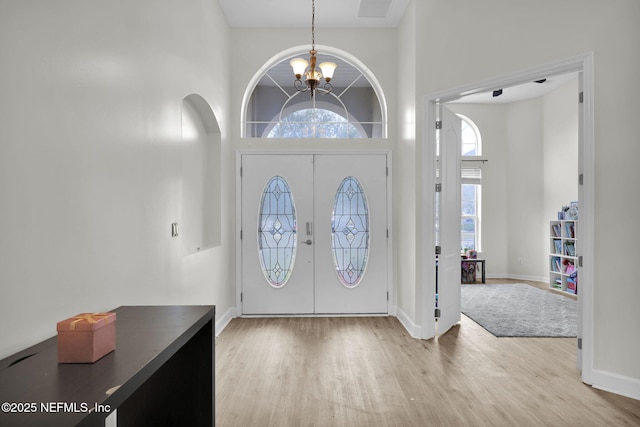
(557, 244)
(572, 282)
(570, 230)
(569, 268)
(570, 249)
(556, 230)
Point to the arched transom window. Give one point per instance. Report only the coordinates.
(353, 109)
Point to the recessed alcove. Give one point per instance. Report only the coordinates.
(200, 217)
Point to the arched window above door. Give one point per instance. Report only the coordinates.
(355, 108)
(315, 123)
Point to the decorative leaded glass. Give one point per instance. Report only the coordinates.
(277, 232)
(350, 232)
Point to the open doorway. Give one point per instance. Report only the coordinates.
(582, 68)
(514, 185)
(527, 173)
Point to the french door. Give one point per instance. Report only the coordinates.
(314, 234)
(448, 285)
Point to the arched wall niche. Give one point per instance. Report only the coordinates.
(201, 198)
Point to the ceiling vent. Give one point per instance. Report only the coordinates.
(374, 8)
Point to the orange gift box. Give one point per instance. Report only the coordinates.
(86, 337)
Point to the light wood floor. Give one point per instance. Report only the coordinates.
(367, 371)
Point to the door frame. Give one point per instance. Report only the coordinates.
(582, 64)
(392, 307)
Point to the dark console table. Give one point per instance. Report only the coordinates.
(161, 373)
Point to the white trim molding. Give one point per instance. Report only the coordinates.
(224, 320)
(408, 324)
(614, 383)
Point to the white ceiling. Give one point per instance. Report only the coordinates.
(329, 13)
(352, 14)
(518, 93)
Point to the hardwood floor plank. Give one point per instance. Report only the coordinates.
(367, 371)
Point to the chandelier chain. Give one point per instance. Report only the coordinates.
(308, 69)
(313, 24)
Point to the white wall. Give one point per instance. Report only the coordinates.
(407, 189)
(90, 158)
(560, 148)
(468, 41)
(525, 202)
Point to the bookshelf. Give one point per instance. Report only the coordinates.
(563, 261)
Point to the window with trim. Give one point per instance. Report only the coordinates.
(353, 109)
(471, 181)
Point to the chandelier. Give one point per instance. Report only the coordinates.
(308, 69)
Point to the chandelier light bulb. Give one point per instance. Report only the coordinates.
(299, 66)
(328, 69)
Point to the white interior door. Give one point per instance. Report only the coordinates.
(314, 234)
(449, 221)
(351, 233)
(277, 264)
(580, 232)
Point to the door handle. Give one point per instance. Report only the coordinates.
(308, 242)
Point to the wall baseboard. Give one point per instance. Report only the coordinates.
(225, 319)
(233, 313)
(615, 383)
(517, 277)
(405, 320)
